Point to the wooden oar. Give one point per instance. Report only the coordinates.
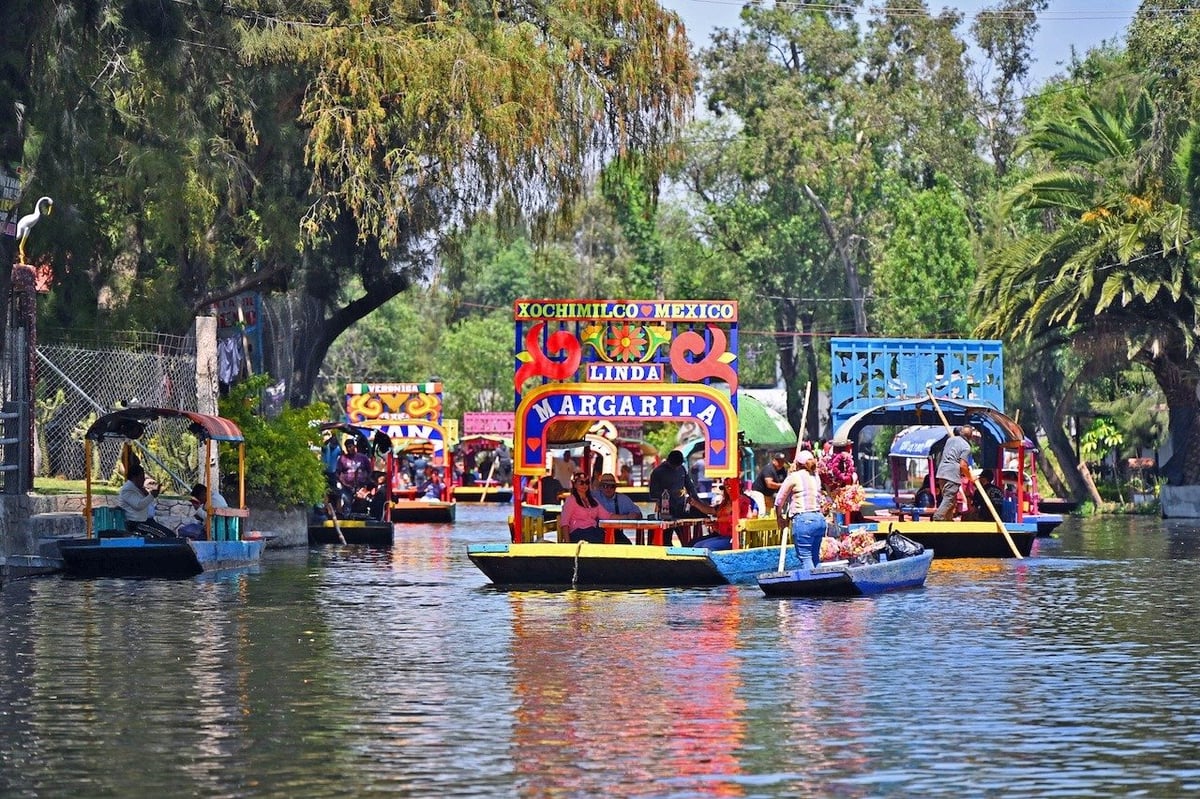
(986, 499)
(336, 525)
(783, 531)
(484, 488)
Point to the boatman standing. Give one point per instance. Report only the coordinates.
(954, 468)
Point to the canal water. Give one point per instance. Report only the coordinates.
(350, 673)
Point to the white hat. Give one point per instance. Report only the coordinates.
(804, 456)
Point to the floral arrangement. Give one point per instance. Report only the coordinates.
(849, 498)
(836, 469)
(842, 492)
(847, 547)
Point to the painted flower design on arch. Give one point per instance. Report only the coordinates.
(626, 343)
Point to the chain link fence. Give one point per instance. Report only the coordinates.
(77, 382)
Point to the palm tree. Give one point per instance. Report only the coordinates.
(1110, 268)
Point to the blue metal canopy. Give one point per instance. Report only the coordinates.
(991, 423)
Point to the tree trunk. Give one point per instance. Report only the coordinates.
(1179, 388)
(789, 362)
(812, 423)
(1081, 484)
(853, 284)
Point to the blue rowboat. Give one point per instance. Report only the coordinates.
(840, 579)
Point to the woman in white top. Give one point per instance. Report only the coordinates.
(799, 498)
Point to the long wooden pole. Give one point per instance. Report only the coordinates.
(484, 488)
(783, 532)
(986, 499)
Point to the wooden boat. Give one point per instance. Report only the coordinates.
(485, 488)
(482, 492)
(624, 361)
(410, 414)
(841, 579)
(1054, 505)
(109, 550)
(356, 532)
(959, 539)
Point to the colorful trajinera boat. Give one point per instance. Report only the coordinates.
(109, 550)
(410, 414)
(625, 361)
(947, 383)
(494, 481)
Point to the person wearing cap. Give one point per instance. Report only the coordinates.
(616, 506)
(954, 468)
(799, 500)
(771, 476)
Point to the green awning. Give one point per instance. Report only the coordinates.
(763, 426)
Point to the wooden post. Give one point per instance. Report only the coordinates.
(206, 392)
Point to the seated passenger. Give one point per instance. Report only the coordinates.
(721, 538)
(581, 515)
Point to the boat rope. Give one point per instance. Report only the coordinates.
(575, 574)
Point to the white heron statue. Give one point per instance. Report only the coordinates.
(26, 223)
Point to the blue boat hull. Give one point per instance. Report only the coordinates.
(171, 558)
(849, 581)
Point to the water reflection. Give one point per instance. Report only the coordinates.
(346, 672)
(618, 694)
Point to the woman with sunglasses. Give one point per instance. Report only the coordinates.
(581, 515)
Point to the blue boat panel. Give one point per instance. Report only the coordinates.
(498, 547)
(742, 566)
(871, 371)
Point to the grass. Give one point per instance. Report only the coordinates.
(59, 486)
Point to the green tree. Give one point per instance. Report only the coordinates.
(828, 115)
(291, 146)
(927, 265)
(1110, 271)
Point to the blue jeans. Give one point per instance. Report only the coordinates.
(807, 531)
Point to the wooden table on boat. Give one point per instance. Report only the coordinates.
(646, 531)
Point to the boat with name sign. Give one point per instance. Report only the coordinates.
(568, 354)
(410, 414)
(110, 550)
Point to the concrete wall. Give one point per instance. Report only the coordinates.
(1180, 502)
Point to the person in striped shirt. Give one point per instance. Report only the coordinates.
(799, 500)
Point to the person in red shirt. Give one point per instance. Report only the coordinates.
(721, 537)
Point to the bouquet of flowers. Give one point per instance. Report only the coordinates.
(836, 470)
(848, 546)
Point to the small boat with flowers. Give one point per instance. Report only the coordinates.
(878, 567)
(628, 361)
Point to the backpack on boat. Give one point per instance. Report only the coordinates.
(899, 546)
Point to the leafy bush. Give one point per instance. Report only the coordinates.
(281, 467)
